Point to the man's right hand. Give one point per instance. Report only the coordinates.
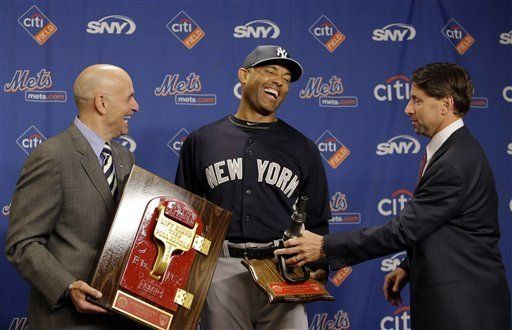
(393, 284)
(77, 293)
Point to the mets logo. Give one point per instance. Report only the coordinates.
(331, 149)
(458, 36)
(37, 25)
(327, 33)
(177, 140)
(6, 209)
(30, 139)
(185, 29)
(339, 206)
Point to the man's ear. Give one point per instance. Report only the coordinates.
(242, 75)
(100, 103)
(448, 104)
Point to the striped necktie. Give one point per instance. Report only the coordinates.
(108, 169)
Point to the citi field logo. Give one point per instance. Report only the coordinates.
(390, 264)
(6, 209)
(327, 33)
(37, 25)
(185, 90)
(331, 149)
(128, 142)
(460, 39)
(30, 139)
(322, 321)
(328, 93)
(185, 29)
(507, 94)
(177, 140)
(259, 29)
(400, 145)
(395, 32)
(396, 88)
(400, 320)
(393, 205)
(339, 206)
(19, 323)
(340, 276)
(113, 24)
(506, 38)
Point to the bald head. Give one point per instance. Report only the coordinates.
(97, 79)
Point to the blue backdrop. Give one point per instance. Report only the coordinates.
(183, 56)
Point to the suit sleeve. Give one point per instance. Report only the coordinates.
(433, 205)
(34, 213)
(186, 176)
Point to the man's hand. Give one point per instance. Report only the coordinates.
(77, 293)
(307, 249)
(393, 284)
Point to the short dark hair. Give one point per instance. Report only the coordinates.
(446, 79)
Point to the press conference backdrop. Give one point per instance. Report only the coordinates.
(358, 57)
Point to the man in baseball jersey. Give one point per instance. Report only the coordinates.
(256, 166)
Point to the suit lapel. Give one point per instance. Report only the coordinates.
(120, 167)
(92, 167)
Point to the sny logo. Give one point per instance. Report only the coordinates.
(127, 142)
(263, 28)
(113, 24)
(37, 25)
(339, 205)
(401, 144)
(185, 29)
(458, 36)
(506, 38)
(393, 205)
(177, 140)
(509, 150)
(394, 32)
(390, 264)
(397, 87)
(30, 139)
(400, 320)
(327, 33)
(507, 93)
(331, 149)
(340, 321)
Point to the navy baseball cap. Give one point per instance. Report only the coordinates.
(268, 54)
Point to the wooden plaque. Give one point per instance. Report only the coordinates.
(160, 254)
(266, 275)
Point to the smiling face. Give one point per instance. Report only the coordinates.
(264, 88)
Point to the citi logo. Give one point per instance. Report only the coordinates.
(506, 38)
(257, 29)
(30, 139)
(507, 93)
(177, 140)
(396, 88)
(394, 32)
(113, 24)
(331, 149)
(321, 321)
(6, 209)
(401, 144)
(393, 205)
(400, 320)
(127, 142)
(390, 264)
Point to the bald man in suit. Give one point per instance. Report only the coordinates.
(64, 203)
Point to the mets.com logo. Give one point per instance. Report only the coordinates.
(400, 320)
(331, 149)
(30, 139)
(393, 205)
(34, 86)
(321, 321)
(396, 88)
(37, 25)
(460, 39)
(339, 207)
(185, 29)
(327, 33)
(185, 90)
(177, 140)
(328, 93)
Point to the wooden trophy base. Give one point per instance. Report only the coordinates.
(268, 278)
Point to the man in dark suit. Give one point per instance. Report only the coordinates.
(449, 227)
(65, 200)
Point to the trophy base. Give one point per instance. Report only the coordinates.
(268, 278)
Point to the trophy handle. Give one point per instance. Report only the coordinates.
(293, 279)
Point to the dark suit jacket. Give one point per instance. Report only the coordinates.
(61, 211)
(450, 230)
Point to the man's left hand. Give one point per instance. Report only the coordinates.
(306, 249)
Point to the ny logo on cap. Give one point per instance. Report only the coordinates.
(282, 52)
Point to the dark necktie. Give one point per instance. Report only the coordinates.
(108, 168)
(422, 166)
